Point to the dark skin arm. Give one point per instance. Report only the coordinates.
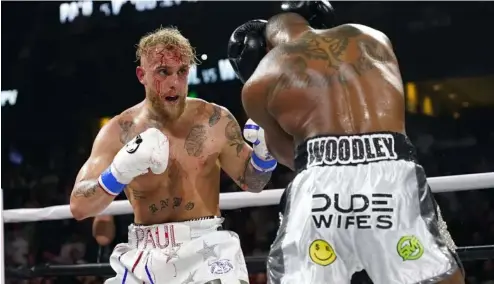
(236, 154)
(255, 99)
(287, 72)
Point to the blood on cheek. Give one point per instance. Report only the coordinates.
(157, 83)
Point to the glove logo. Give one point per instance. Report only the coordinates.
(133, 145)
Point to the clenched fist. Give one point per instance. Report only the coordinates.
(147, 151)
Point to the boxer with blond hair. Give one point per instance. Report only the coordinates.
(166, 154)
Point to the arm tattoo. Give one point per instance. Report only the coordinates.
(127, 127)
(86, 189)
(194, 142)
(215, 117)
(234, 135)
(252, 179)
(138, 194)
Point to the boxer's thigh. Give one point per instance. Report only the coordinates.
(121, 261)
(215, 257)
(223, 259)
(305, 251)
(416, 249)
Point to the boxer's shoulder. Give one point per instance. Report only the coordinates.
(118, 130)
(127, 123)
(211, 113)
(351, 30)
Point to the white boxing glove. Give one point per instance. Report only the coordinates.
(261, 159)
(147, 151)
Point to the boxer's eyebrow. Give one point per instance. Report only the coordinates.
(162, 67)
(184, 67)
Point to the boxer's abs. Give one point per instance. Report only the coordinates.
(156, 200)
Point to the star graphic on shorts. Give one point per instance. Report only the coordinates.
(172, 254)
(207, 251)
(190, 278)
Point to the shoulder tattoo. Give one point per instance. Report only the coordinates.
(215, 116)
(332, 47)
(233, 134)
(126, 130)
(194, 142)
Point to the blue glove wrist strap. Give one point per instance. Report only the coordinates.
(266, 166)
(110, 183)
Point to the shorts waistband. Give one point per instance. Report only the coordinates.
(171, 234)
(352, 150)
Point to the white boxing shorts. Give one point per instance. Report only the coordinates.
(180, 253)
(360, 202)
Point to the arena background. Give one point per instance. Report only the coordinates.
(68, 67)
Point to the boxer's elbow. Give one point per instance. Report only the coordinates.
(289, 163)
(78, 211)
(82, 211)
(88, 199)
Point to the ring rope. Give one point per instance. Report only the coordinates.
(236, 200)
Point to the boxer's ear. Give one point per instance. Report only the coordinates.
(140, 74)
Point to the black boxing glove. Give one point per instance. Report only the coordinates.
(247, 47)
(319, 14)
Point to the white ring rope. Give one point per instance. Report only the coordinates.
(237, 200)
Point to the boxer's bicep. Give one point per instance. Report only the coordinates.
(235, 152)
(88, 198)
(279, 143)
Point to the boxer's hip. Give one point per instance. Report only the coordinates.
(173, 234)
(174, 252)
(359, 198)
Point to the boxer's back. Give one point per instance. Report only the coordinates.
(344, 80)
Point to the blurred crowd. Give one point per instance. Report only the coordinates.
(32, 179)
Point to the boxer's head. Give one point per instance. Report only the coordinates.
(165, 57)
(284, 27)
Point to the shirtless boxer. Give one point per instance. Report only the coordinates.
(360, 199)
(166, 154)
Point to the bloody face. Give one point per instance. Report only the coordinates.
(163, 72)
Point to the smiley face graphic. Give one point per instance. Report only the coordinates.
(322, 253)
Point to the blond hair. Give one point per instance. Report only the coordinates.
(171, 38)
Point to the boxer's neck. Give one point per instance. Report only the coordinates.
(156, 118)
(287, 35)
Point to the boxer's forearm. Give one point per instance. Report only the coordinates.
(253, 180)
(88, 199)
